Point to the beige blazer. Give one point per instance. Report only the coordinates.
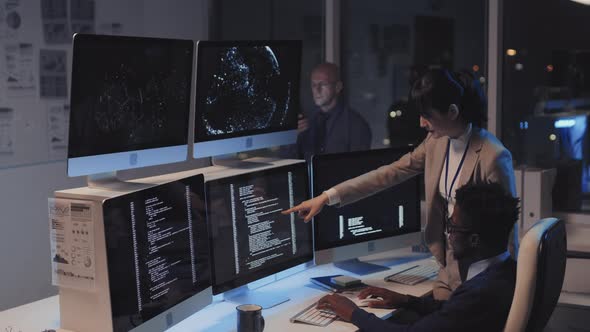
(487, 160)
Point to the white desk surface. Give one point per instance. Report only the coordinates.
(221, 315)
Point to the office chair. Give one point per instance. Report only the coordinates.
(540, 270)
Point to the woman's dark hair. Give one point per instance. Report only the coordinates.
(439, 88)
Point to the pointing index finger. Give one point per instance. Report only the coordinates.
(291, 210)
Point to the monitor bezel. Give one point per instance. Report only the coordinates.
(200, 92)
(118, 161)
(379, 236)
(147, 156)
(243, 143)
(246, 278)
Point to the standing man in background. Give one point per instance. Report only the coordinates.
(334, 127)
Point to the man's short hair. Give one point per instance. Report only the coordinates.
(330, 68)
(490, 211)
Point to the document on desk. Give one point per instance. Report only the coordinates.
(71, 232)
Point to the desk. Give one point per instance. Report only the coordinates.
(221, 315)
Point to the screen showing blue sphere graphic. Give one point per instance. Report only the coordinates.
(246, 88)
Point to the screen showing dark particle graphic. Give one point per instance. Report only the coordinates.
(129, 94)
(246, 88)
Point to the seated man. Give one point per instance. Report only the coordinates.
(478, 234)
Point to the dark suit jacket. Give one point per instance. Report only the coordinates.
(480, 304)
(346, 131)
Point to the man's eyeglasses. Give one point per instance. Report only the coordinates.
(450, 228)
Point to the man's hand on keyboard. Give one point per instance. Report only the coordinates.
(340, 305)
(391, 299)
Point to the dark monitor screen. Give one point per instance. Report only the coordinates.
(157, 250)
(250, 238)
(391, 212)
(246, 88)
(129, 94)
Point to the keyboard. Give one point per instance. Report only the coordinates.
(311, 315)
(414, 275)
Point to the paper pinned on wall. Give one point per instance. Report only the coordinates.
(57, 128)
(10, 19)
(52, 74)
(2, 21)
(3, 73)
(20, 78)
(71, 231)
(6, 130)
(54, 15)
(82, 16)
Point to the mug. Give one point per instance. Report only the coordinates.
(250, 318)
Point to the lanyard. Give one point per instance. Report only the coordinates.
(448, 192)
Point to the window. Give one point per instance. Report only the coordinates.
(546, 93)
(382, 43)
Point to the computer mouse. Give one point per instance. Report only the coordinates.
(366, 301)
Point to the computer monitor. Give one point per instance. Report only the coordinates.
(247, 95)
(157, 255)
(387, 220)
(130, 103)
(250, 238)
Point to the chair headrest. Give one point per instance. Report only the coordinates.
(539, 276)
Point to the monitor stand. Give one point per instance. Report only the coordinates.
(359, 268)
(265, 299)
(233, 161)
(110, 181)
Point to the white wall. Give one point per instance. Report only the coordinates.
(185, 19)
(24, 189)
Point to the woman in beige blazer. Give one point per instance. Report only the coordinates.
(456, 151)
